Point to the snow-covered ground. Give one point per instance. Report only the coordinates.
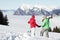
(18, 28)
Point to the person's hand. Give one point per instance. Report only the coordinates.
(38, 26)
(51, 17)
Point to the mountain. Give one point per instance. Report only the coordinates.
(56, 11)
(37, 11)
(8, 10)
(19, 12)
(33, 11)
(45, 12)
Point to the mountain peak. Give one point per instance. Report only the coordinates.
(28, 6)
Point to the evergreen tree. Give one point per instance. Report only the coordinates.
(1, 17)
(56, 29)
(5, 20)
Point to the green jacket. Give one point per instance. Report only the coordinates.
(45, 23)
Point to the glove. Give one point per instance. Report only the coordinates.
(38, 26)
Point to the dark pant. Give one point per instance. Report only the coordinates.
(42, 32)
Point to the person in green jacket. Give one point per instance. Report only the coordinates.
(45, 25)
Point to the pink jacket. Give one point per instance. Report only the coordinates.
(32, 22)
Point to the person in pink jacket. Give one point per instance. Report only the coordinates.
(33, 25)
(32, 22)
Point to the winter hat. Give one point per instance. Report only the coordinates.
(33, 16)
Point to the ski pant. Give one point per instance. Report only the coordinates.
(42, 32)
(32, 32)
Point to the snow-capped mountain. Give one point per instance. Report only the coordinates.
(37, 11)
(33, 11)
(56, 11)
(19, 12)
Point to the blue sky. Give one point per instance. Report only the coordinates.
(14, 4)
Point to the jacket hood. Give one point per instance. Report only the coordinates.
(33, 16)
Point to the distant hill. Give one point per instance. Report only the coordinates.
(8, 10)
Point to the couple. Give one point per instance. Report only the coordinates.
(45, 25)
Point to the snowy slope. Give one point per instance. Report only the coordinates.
(18, 27)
